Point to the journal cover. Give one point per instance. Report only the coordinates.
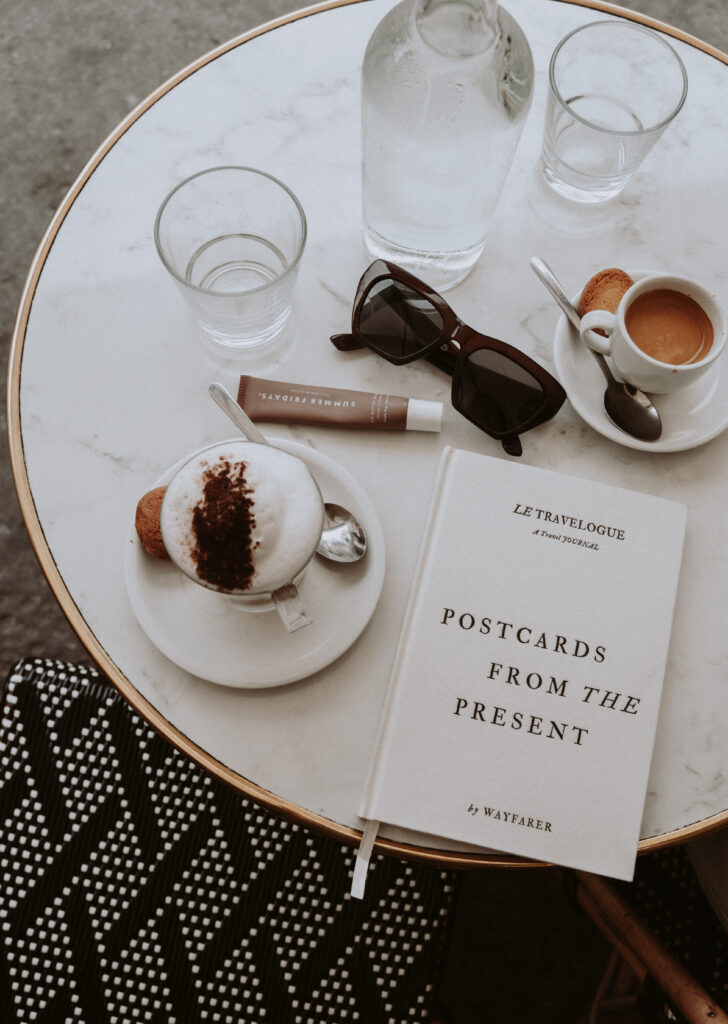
(524, 696)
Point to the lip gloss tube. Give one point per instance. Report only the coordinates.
(275, 401)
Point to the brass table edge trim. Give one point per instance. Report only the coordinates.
(288, 809)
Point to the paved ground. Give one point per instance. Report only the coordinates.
(70, 70)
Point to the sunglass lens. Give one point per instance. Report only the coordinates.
(397, 321)
(497, 393)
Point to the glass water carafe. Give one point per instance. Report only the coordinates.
(446, 86)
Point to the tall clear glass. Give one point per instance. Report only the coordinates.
(446, 87)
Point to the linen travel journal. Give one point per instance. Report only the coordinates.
(524, 695)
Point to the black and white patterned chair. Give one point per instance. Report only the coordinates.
(134, 887)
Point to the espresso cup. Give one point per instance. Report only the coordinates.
(667, 331)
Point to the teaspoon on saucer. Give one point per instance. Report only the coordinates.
(627, 407)
(343, 538)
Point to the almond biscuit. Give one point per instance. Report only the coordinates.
(146, 522)
(604, 290)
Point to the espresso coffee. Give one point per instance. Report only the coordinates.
(669, 326)
(242, 518)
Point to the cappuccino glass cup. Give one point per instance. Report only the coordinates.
(614, 87)
(232, 240)
(666, 332)
(245, 519)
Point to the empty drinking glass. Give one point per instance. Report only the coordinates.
(614, 88)
(232, 239)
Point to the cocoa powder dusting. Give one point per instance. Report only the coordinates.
(222, 525)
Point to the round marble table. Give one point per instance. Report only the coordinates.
(108, 388)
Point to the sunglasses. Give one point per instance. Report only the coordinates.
(494, 385)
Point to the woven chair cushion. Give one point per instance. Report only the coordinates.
(136, 887)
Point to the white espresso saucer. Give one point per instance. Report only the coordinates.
(690, 417)
(210, 636)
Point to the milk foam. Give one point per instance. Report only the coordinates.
(286, 507)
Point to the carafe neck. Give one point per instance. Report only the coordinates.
(458, 28)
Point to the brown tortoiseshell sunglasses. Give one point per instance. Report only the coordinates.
(494, 385)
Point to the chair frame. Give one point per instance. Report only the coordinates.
(667, 990)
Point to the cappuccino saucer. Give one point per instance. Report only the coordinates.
(690, 417)
(211, 637)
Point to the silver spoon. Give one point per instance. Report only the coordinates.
(343, 538)
(627, 407)
(239, 417)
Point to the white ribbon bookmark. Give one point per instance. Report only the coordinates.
(363, 856)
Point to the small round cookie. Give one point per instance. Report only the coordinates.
(146, 522)
(604, 290)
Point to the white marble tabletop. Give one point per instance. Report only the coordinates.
(108, 388)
